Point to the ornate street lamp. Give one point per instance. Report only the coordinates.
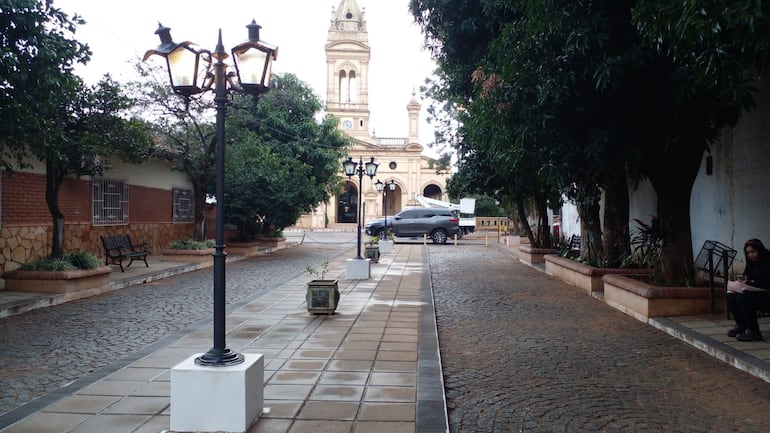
(370, 170)
(190, 73)
(389, 185)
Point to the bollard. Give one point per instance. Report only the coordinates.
(455, 239)
(425, 239)
(486, 239)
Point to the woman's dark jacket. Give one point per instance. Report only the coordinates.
(758, 273)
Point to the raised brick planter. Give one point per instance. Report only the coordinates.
(530, 255)
(272, 243)
(583, 276)
(643, 300)
(247, 249)
(73, 284)
(189, 256)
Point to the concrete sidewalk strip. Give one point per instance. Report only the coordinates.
(354, 371)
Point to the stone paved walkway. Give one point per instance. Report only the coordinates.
(523, 352)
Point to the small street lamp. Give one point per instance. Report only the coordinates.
(389, 185)
(190, 73)
(370, 169)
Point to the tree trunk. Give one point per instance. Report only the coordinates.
(53, 181)
(616, 213)
(676, 260)
(522, 213)
(590, 229)
(673, 185)
(543, 227)
(199, 206)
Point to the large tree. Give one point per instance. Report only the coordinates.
(723, 45)
(282, 161)
(576, 81)
(48, 113)
(185, 132)
(717, 52)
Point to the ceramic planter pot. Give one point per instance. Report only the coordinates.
(322, 296)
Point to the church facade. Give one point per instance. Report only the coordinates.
(400, 158)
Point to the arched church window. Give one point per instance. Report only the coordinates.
(352, 87)
(343, 86)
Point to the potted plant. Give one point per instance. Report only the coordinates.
(322, 295)
(372, 250)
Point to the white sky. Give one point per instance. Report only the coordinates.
(119, 32)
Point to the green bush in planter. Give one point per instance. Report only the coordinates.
(189, 244)
(70, 262)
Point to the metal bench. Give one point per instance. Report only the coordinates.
(119, 247)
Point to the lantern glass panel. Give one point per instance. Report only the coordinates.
(254, 66)
(182, 66)
(371, 168)
(350, 167)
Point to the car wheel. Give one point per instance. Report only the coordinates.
(439, 236)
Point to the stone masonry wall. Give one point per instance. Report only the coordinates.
(26, 222)
(22, 244)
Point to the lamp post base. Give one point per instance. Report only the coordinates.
(386, 246)
(205, 399)
(358, 269)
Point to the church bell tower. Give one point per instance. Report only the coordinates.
(347, 70)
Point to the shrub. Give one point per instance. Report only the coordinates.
(189, 244)
(83, 260)
(320, 271)
(70, 262)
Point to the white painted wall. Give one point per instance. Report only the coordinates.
(733, 204)
(153, 173)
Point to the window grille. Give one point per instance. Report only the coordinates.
(183, 205)
(110, 202)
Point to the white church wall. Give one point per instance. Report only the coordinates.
(570, 220)
(642, 204)
(732, 204)
(729, 205)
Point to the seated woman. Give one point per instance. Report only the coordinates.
(750, 293)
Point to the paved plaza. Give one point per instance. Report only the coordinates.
(442, 338)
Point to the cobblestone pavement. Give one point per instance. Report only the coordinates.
(523, 352)
(45, 349)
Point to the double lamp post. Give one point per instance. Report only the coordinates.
(370, 169)
(389, 185)
(190, 73)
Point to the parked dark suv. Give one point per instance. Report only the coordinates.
(377, 227)
(438, 224)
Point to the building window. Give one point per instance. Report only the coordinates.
(110, 202)
(183, 205)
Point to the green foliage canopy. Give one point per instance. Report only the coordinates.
(48, 113)
(281, 161)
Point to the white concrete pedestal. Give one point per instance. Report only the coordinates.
(386, 246)
(358, 269)
(217, 399)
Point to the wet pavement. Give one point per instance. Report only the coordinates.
(523, 352)
(45, 349)
(519, 351)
